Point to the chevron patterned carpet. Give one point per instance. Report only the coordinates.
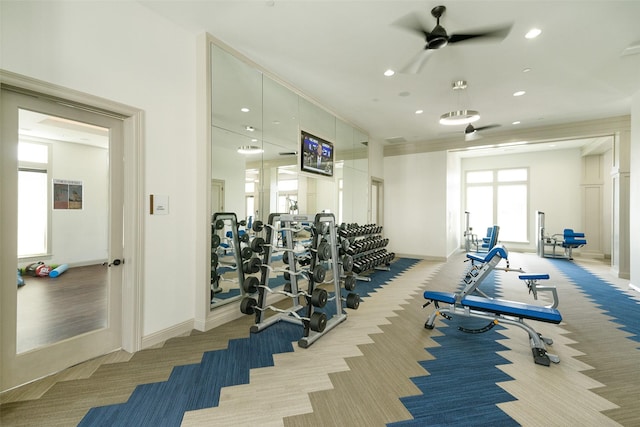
(380, 367)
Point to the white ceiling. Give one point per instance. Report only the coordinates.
(336, 53)
(584, 65)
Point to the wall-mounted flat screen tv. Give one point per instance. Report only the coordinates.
(316, 155)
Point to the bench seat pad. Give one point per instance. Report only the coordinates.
(533, 277)
(573, 243)
(447, 297)
(513, 308)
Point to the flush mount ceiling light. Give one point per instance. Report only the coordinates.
(461, 116)
(249, 149)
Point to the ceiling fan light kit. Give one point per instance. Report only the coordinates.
(459, 117)
(249, 149)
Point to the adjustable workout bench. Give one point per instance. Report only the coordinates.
(465, 304)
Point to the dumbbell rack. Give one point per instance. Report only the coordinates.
(218, 222)
(309, 317)
(367, 248)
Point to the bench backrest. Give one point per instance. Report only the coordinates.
(488, 263)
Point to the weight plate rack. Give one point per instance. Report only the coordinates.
(366, 247)
(221, 221)
(305, 304)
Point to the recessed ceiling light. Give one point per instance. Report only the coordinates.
(389, 73)
(526, 70)
(533, 33)
(249, 128)
(419, 111)
(519, 93)
(245, 110)
(517, 122)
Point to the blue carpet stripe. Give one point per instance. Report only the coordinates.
(198, 386)
(604, 295)
(461, 389)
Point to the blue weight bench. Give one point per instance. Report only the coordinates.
(487, 242)
(568, 240)
(465, 304)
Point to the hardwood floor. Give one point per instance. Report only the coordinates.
(54, 309)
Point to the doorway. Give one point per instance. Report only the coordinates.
(377, 201)
(84, 232)
(217, 195)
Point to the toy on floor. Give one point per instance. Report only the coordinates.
(58, 270)
(37, 269)
(20, 280)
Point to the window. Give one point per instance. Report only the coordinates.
(33, 199)
(499, 197)
(250, 203)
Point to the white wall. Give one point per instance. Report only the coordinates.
(554, 188)
(123, 52)
(634, 207)
(454, 198)
(79, 236)
(229, 166)
(376, 159)
(415, 204)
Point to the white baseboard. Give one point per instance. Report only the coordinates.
(634, 287)
(165, 334)
(424, 257)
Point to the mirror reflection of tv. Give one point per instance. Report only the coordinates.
(316, 155)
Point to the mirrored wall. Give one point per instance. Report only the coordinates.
(256, 151)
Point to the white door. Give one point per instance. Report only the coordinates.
(377, 201)
(21, 366)
(217, 195)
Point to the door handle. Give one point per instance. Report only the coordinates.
(116, 262)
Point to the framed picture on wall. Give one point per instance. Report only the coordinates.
(67, 194)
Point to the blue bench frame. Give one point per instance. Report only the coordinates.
(464, 304)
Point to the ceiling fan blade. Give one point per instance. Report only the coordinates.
(487, 127)
(411, 22)
(418, 61)
(498, 33)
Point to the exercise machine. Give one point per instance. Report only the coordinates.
(471, 302)
(485, 244)
(567, 241)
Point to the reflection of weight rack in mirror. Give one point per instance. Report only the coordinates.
(364, 251)
(307, 263)
(227, 239)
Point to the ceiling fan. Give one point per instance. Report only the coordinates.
(438, 38)
(471, 132)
